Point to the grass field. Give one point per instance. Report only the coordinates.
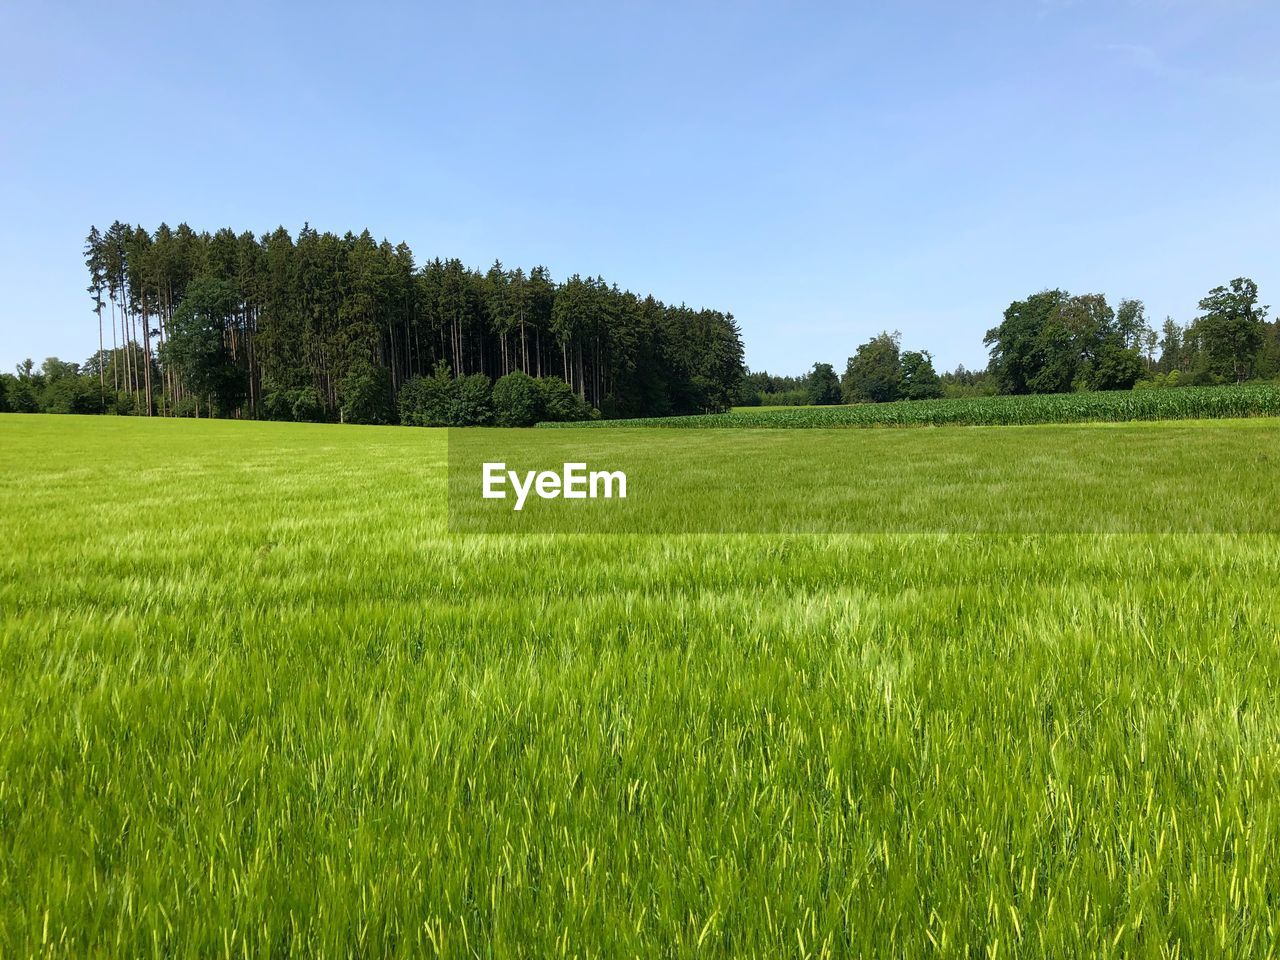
(1183, 403)
(254, 700)
(1210, 476)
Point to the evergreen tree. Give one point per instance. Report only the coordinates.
(919, 381)
(823, 387)
(299, 318)
(95, 261)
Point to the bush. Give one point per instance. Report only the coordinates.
(129, 405)
(366, 395)
(302, 406)
(472, 404)
(440, 400)
(278, 405)
(73, 394)
(517, 401)
(427, 401)
(21, 397)
(1159, 381)
(799, 397)
(561, 405)
(986, 387)
(307, 407)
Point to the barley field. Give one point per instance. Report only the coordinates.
(256, 700)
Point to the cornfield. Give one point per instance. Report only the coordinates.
(1186, 403)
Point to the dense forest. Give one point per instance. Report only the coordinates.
(324, 327)
(1053, 342)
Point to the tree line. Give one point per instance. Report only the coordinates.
(1054, 342)
(343, 328)
(328, 327)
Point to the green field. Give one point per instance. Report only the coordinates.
(255, 700)
(1177, 476)
(1183, 403)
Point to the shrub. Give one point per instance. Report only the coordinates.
(1159, 381)
(278, 405)
(472, 406)
(560, 404)
(72, 394)
(428, 401)
(21, 397)
(798, 397)
(366, 395)
(517, 400)
(441, 400)
(307, 407)
(302, 405)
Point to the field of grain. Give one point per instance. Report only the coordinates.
(1183, 403)
(256, 700)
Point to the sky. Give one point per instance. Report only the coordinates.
(822, 171)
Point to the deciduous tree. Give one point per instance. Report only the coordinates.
(874, 372)
(1231, 329)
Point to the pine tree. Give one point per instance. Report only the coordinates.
(94, 260)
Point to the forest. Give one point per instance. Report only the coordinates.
(323, 327)
(328, 328)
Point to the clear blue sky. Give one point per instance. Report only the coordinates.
(823, 171)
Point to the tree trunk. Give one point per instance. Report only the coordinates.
(102, 373)
(146, 354)
(115, 350)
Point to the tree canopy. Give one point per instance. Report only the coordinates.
(823, 387)
(874, 372)
(1053, 342)
(322, 327)
(311, 326)
(1231, 329)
